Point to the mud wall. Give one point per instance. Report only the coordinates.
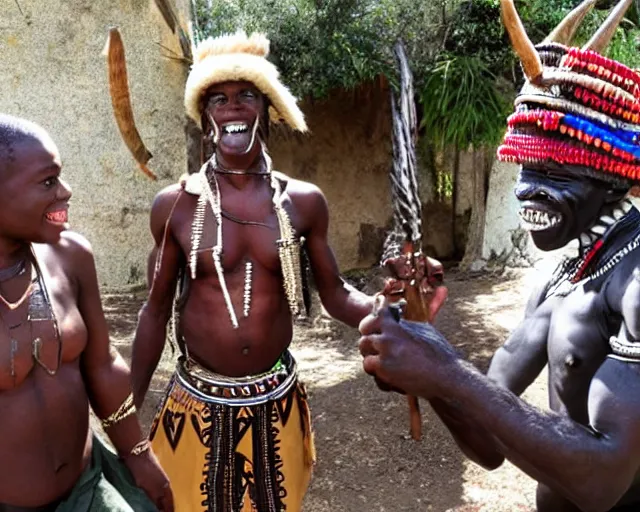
(348, 155)
(52, 72)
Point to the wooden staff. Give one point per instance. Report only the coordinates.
(410, 290)
(402, 247)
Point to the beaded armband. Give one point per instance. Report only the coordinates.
(139, 448)
(624, 350)
(126, 409)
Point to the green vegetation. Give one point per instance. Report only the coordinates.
(325, 44)
(465, 72)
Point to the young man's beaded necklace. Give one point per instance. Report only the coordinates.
(288, 244)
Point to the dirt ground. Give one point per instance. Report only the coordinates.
(366, 461)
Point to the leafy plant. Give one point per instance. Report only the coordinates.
(466, 94)
(462, 104)
(320, 45)
(465, 71)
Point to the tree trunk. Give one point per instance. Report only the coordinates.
(483, 161)
(454, 201)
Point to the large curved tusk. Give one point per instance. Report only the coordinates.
(566, 29)
(603, 36)
(523, 46)
(119, 90)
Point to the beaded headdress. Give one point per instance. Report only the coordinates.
(236, 57)
(577, 108)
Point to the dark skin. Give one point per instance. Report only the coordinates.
(45, 440)
(585, 453)
(266, 333)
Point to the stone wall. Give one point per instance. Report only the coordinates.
(52, 72)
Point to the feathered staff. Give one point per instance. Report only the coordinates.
(402, 256)
(119, 90)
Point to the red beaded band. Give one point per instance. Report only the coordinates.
(551, 121)
(607, 69)
(548, 120)
(587, 259)
(619, 107)
(522, 149)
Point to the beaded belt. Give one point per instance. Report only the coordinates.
(240, 391)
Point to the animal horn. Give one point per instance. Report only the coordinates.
(567, 28)
(523, 46)
(121, 102)
(603, 36)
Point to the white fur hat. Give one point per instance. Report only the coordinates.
(236, 57)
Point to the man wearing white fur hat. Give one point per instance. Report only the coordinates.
(234, 432)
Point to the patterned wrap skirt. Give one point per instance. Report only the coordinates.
(235, 444)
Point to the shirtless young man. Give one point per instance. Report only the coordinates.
(575, 134)
(234, 432)
(55, 359)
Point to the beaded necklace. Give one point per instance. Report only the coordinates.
(599, 252)
(288, 244)
(39, 308)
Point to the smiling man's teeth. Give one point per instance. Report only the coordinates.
(537, 220)
(59, 216)
(235, 128)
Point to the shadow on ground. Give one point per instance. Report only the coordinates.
(365, 459)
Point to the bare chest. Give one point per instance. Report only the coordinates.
(576, 331)
(247, 233)
(42, 335)
(577, 341)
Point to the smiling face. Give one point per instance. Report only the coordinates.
(234, 110)
(34, 201)
(557, 203)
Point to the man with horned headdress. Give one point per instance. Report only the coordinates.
(233, 431)
(575, 134)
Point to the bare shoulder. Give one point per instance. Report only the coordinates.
(163, 205)
(306, 196)
(74, 247)
(71, 256)
(164, 201)
(621, 288)
(537, 296)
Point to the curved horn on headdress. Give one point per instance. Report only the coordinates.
(523, 46)
(603, 36)
(567, 28)
(122, 110)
